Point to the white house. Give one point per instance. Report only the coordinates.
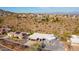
(74, 41)
(46, 38)
(41, 36)
(50, 41)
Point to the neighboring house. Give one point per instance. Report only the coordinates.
(4, 30)
(74, 39)
(74, 42)
(19, 35)
(10, 34)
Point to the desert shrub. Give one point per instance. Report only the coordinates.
(76, 31)
(13, 28)
(46, 19)
(37, 26)
(55, 32)
(1, 20)
(55, 20)
(31, 32)
(36, 47)
(64, 36)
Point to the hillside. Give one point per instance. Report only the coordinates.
(62, 25)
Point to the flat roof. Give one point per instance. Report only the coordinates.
(74, 39)
(42, 36)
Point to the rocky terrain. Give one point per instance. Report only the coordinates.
(61, 25)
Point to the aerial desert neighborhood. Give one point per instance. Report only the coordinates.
(39, 29)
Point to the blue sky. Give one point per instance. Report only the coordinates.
(42, 9)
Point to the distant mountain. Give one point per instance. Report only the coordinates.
(5, 13)
(10, 12)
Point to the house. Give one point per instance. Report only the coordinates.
(74, 42)
(74, 39)
(4, 30)
(40, 36)
(49, 41)
(18, 35)
(10, 34)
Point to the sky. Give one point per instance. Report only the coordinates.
(42, 9)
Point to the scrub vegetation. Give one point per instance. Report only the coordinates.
(62, 25)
